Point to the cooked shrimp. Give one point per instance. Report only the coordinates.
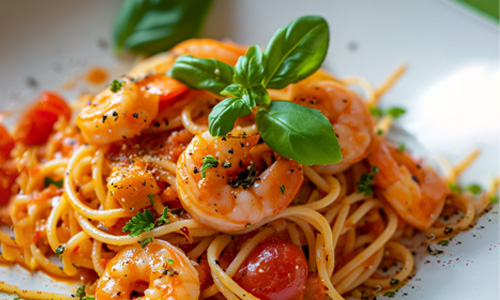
(131, 185)
(349, 116)
(168, 271)
(227, 52)
(111, 116)
(416, 192)
(232, 196)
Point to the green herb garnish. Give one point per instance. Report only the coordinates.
(151, 199)
(493, 199)
(144, 221)
(163, 218)
(150, 26)
(145, 242)
(395, 112)
(365, 185)
(170, 261)
(293, 131)
(455, 188)
(375, 111)
(60, 249)
(474, 189)
(401, 147)
(114, 86)
(80, 293)
(48, 181)
(394, 281)
(282, 189)
(390, 294)
(444, 242)
(208, 162)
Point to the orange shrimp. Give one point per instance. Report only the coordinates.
(113, 116)
(416, 192)
(226, 52)
(232, 196)
(349, 116)
(170, 274)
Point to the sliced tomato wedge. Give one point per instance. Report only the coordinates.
(168, 88)
(37, 122)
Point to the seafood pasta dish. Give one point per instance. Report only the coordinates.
(222, 171)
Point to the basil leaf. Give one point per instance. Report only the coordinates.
(202, 74)
(249, 70)
(152, 26)
(222, 117)
(296, 51)
(248, 98)
(233, 89)
(261, 96)
(256, 96)
(298, 132)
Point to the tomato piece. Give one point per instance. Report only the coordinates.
(36, 123)
(6, 143)
(168, 88)
(275, 269)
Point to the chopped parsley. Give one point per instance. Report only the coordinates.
(151, 200)
(375, 111)
(116, 85)
(390, 294)
(145, 242)
(163, 218)
(365, 185)
(394, 281)
(444, 242)
(80, 292)
(60, 249)
(17, 298)
(170, 261)
(144, 221)
(455, 188)
(474, 189)
(48, 181)
(379, 131)
(493, 199)
(208, 162)
(401, 147)
(88, 298)
(395, 112)
(282, 189)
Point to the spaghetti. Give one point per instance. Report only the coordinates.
(70, 196)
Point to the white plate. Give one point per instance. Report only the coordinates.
(451, 88)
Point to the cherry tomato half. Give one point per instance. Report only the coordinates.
(36, 123)
(275, 269)
(168, 88)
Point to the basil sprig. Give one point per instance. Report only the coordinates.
(153, 26)
(293, 131)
